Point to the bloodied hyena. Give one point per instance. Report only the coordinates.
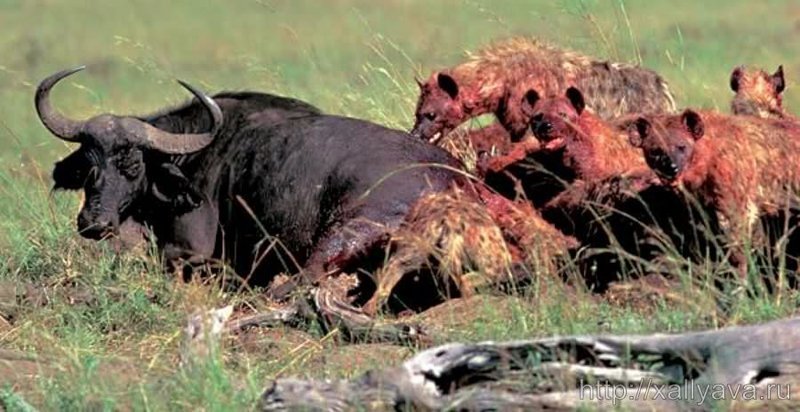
(590, 147)
(496, 78)
(744, 167)
(603, 206)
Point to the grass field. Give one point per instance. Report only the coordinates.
(107, 328)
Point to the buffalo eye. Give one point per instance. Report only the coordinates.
(430, 116)
(131, 171)
(94, 178)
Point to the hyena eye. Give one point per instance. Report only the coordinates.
(430, 116)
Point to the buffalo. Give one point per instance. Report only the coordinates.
(266, 183)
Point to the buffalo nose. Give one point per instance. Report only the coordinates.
(541, 127)
(94, 228)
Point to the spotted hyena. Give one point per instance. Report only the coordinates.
(758, 93)
(474, 239)
(602, 205)
(590, 147)
(743, 167)
(495, 79)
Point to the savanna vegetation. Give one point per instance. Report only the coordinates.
(100, 330)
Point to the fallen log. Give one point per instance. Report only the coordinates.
(690, 371)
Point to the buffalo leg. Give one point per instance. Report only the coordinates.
(344, 247)
(190, 239)
(355, 240)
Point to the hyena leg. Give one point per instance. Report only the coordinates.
(489, 138)
(519, 151)
(405, 260)
(357, 326)
(493, 269)
(741, 234)
(473, 281)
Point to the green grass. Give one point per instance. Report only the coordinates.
(108, 327)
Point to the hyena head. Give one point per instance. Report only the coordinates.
(758, 93)
(439, 109)
(667, 142)
(554, 120)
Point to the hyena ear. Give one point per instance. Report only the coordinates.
(778, 80)
(173, 188)
(693, 123)
(736, 77)
(576, 98)
(448, 84)
(529, 100)
(638, 130)
(420, 83)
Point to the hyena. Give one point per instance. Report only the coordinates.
(474, 239)
(602, 206)
(495, 79)
(758, 93)
(592, 148)
(743, 167)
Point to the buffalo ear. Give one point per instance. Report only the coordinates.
(448, 84)
(576, 98)
(530, 99)
(71, 172)
(736, 78)
(778, 81)
(638, 131)
(693, 123)
(170, 186)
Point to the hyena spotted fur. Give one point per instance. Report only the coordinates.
(495, 79)
(758, 93)
(744, 167)
(473, 239)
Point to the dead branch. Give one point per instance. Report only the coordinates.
(562, 373)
